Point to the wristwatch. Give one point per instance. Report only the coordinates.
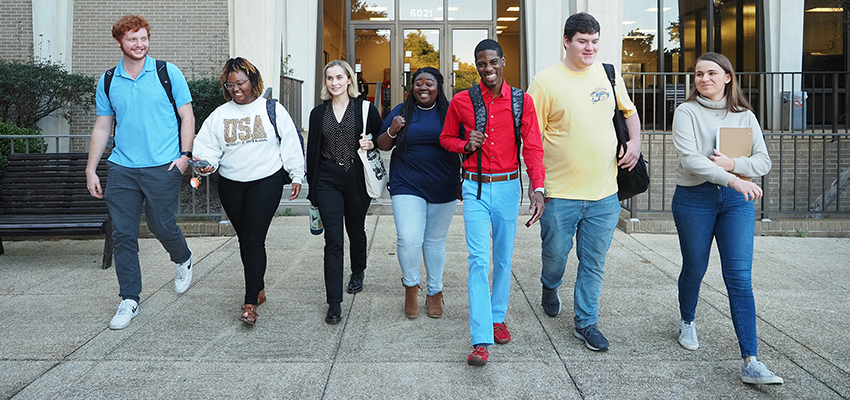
(187, 154)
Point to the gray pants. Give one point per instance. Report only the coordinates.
(126, 190)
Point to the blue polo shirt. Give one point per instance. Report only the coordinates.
(146, 130)
(425, 169)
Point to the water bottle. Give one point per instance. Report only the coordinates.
(316, 227)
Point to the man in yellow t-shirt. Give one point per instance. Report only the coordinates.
(575, 106)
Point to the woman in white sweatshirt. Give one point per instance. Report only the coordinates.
(254, 159)
(713, 202)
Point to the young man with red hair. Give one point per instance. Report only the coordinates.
(152, 149)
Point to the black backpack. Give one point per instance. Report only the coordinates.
(517, 100)
(162, 73)
(272, 111)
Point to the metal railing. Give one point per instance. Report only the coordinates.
(805, 119)
(290, 98)
(783, 102)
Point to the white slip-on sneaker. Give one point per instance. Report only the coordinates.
(126, 311)
(757, 373)
(688, 335)
(183, 275)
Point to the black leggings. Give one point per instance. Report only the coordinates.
(251, 207)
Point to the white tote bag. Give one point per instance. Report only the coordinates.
(375, 172)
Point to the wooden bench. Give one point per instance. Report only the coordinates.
(45, 194)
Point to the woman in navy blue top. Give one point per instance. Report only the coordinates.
(424, 180)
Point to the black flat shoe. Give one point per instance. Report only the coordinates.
(334, 311)
(355, 285)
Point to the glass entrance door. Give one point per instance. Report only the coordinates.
(373, 66)
(421, 49)
(463, 71)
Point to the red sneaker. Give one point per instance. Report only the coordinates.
(478, 358)
(501, 334)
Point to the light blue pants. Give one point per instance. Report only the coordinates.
(497, 209)
(593, 224)
(422, 228)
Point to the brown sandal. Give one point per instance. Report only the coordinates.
(249, 314)
(261, 298)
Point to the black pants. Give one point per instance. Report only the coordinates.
(250, 207)
(339, 197)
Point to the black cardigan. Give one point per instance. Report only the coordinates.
(314, 143)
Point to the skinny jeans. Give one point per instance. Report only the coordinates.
(709, 212)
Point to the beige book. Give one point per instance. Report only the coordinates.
(735, 142)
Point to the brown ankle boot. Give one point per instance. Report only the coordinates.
(411, 301)
(435, 305)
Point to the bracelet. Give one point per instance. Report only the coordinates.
(391, 136)
(733, 180)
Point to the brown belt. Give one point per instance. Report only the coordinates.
(490, 178)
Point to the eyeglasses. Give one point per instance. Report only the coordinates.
(231, 85)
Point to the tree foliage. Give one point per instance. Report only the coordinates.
(207, 95)
(33, 89)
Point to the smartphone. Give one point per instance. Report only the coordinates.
(199, 163)
(530, 220)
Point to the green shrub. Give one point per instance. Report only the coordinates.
(206, 97)
(35, 145)
(33, 89)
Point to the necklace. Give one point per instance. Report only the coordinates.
(426, 108)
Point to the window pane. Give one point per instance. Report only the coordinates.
(823, 36)
(640, 31)
(471, 10)
(671, 38)
(369, 10)
(420, 10)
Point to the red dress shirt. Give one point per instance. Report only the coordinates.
(499, 149)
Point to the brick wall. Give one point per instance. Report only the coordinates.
(193, 35)
(15, 29)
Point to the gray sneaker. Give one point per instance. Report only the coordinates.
(551, 302)
(688, 335)
(593, 339)
(757, 373)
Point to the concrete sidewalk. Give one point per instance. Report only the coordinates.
(55, 306)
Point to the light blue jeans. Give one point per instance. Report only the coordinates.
(707, 212)
(593, 224)
(497, 208)
(422, 228)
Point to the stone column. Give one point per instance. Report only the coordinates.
(256, 27)
(52, 38)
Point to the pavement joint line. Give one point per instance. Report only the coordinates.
(548, 335)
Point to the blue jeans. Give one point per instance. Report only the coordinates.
(593, 224)
(422, 228)
(707, 212)
(127, 190)
(498, 207)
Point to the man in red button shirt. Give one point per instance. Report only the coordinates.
(500, 191)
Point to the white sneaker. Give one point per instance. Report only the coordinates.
(688, 335)
(183, 276)
(757, 373)
(126, 311)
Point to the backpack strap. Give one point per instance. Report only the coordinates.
(271, 109)
(480, 111)
(517, 104)
(107, 80)
(621, 141)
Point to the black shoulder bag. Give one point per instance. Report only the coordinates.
(636, 181)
